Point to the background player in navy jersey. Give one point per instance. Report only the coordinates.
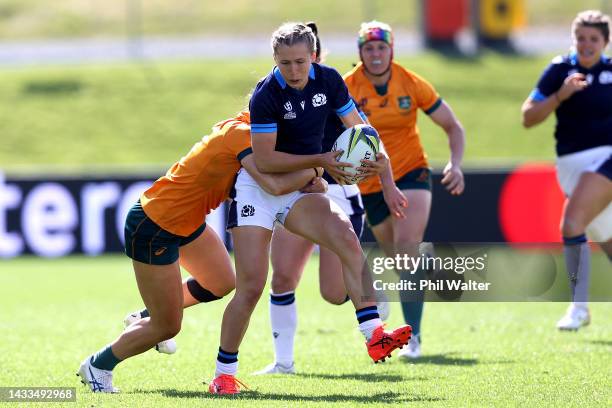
(592, 195)
(289, 109)
(290, 252)
(578, 87)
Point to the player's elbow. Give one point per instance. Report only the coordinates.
(273, 186)
(528, 121)
(529, 116)
(457, 128)
(277, 189)
(263, 165)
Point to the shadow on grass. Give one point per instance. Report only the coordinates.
(442, 359)
(53, 87)
(370, 378)
(392, 397)
(448, 359)
(601, 342)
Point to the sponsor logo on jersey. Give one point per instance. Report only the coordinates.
(589, 79)
(404, 102)
(319, 100)
(288, 106)
(303, 104)
(247, 211)
(160, 251)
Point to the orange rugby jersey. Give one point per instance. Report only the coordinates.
(179, 201)
(394, 116)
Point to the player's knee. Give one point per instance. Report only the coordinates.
(335, 297)
(407, 238)
(283, 282)
(250, 295)
(345, 239)
(171, 330)
(168, 328)
(572, 226)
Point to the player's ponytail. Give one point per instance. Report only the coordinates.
(313, 27)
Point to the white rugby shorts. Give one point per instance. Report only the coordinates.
(253, 206)
(569, 169)
(347, 197)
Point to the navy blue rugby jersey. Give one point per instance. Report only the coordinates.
(333, 128)
(298, 117)
(585, 119)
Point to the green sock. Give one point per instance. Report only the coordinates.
(105, 359)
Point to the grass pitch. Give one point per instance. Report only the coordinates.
(55, 312)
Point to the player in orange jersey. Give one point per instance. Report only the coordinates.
(166, 229)
(390, 96)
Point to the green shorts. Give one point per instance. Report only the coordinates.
(147, 242)
(374, 204)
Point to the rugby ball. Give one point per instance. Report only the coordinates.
(357, 143)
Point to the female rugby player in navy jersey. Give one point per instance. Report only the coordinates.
(290, 253)
(578, 87)
(289, 109)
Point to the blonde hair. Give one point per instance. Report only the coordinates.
(290, 34)
(595, 19)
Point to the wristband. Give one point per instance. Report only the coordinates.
(316, 172)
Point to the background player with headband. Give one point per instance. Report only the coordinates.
(390, 96)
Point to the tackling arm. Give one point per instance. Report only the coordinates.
(279, 184)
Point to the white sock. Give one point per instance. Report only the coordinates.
(283, 319)
(226, 368)
(580, 305)
(367, 327)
